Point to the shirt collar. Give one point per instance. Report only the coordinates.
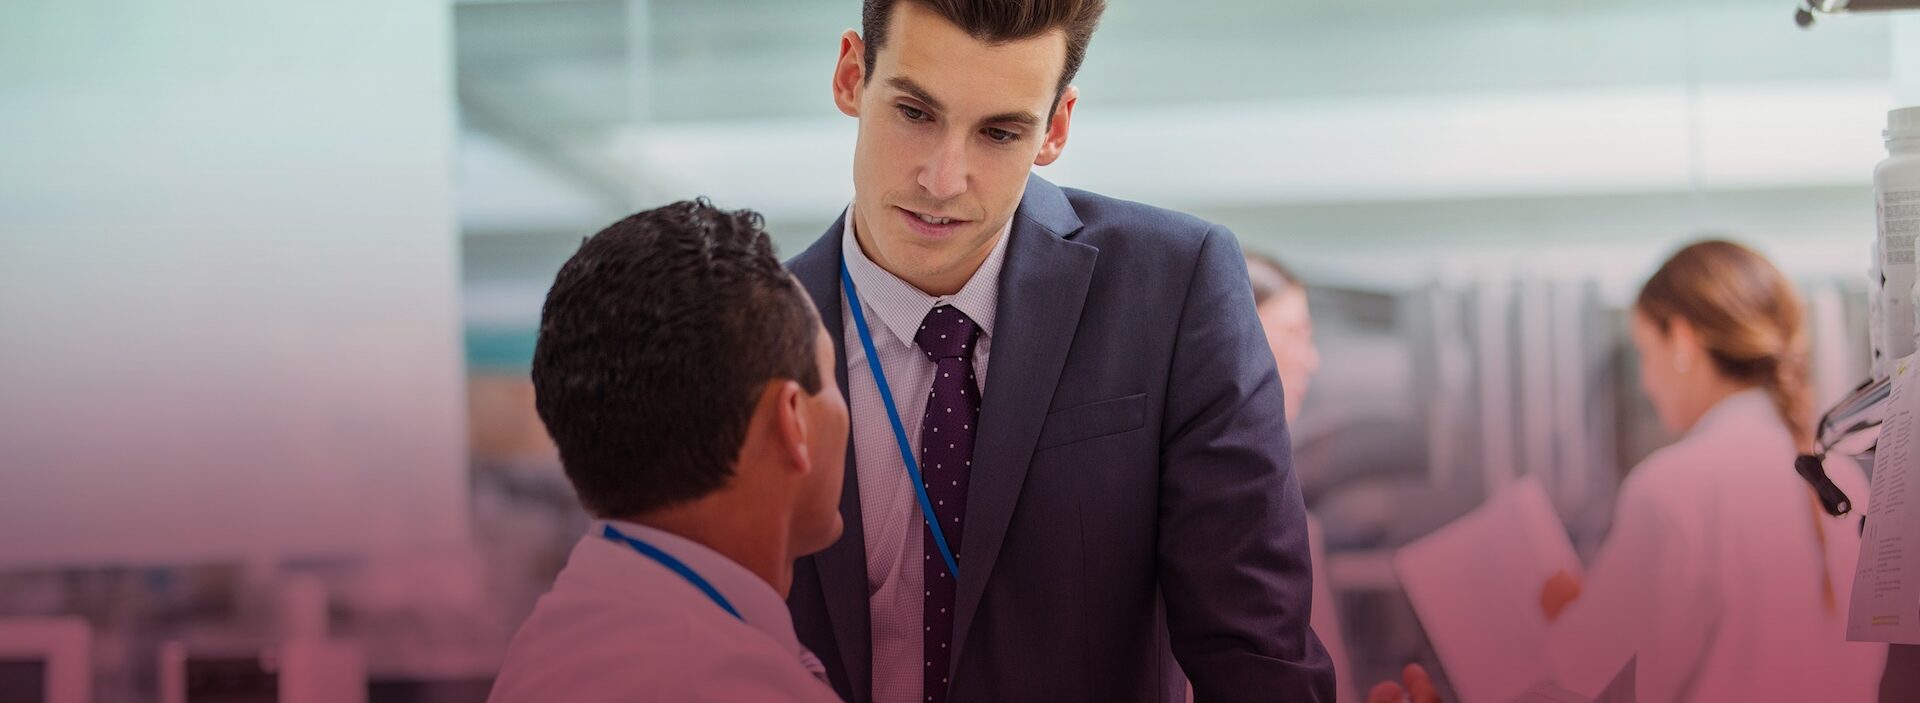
(759, 605)
(902, 307)
(1744, 409)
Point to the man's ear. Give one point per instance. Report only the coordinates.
(1056, 137)
(790, 424)
(850, 73)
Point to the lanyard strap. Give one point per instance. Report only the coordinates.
(686, 572)
(893, 416)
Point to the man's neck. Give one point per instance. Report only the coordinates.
(755, 539)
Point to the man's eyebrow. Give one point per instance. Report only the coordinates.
(913, 90)
(1022, 118)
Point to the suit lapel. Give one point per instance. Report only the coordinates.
(1043, 286)
(842, 566)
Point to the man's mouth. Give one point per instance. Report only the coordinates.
(931, 218)
(931, 225)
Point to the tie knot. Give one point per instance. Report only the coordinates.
(947, 333)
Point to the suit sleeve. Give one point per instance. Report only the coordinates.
(1234, 565)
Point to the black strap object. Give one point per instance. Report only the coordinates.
(1814, 470)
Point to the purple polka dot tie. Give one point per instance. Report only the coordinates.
(946, 457)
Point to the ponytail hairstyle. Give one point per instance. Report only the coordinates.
(1747, 315)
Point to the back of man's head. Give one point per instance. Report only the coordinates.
(655, 344)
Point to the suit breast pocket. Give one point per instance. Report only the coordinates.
(1093, 420)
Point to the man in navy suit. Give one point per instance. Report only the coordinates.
(1070, 476)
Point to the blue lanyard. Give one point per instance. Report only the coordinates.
(893, 415)
(686, 572)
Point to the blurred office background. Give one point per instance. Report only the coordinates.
(270, 273)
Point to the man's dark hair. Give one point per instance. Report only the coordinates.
(655, 344)
(997, 22)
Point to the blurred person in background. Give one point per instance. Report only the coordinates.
(1280, 299)
(687, 383)
(1722, 573)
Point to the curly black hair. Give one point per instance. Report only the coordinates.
(655, 344)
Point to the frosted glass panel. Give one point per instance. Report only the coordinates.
(228, 289)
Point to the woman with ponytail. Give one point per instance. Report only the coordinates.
(1723, 573)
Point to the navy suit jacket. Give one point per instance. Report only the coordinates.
(1132, 498)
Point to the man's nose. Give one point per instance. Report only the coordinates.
(945, 175)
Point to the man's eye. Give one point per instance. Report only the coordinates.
(913, 114)
(1000, 136)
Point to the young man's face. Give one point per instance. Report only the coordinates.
(950, 126)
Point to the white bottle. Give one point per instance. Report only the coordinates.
(1896, 195)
